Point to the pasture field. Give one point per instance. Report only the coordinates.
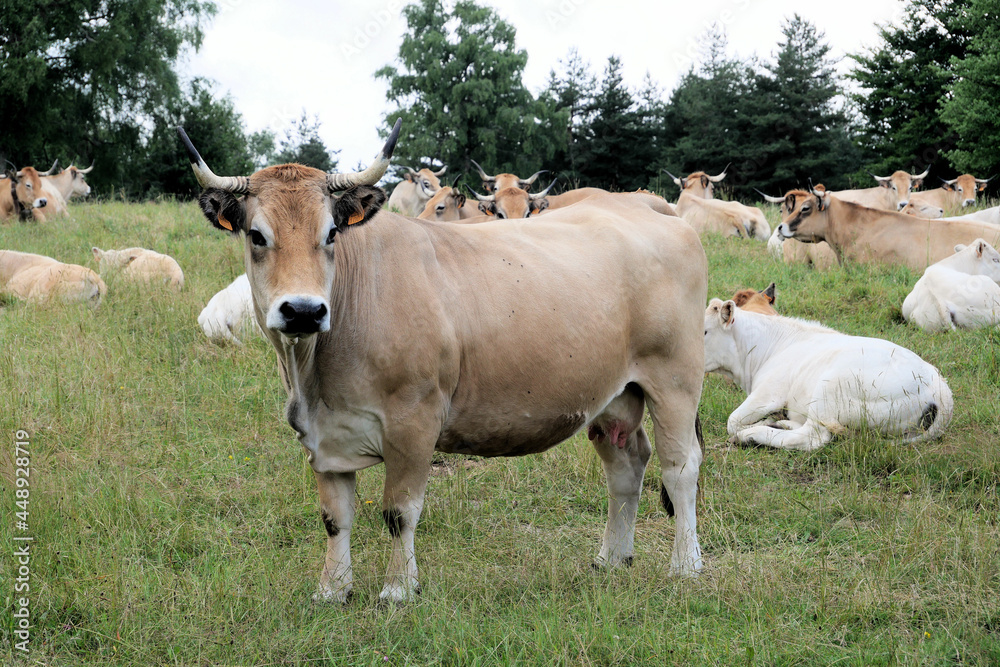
(176, 522)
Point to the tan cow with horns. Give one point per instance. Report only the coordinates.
(498, 339)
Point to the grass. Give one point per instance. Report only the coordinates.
(176, 520)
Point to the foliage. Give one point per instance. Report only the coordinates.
(303, 145)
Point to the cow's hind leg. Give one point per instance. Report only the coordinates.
(624, 468)
(336, 496)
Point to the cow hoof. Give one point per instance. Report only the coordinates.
(601, 565)
(329, 596)
(398, 594)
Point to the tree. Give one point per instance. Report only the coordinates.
(572, 94)
(459, 92)
(972, 112)
(303, 145)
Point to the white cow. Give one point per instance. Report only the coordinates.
(229, 312)
(827, 381)
(990, 215)
(958, 291)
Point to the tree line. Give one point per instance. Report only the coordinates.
(96, 81)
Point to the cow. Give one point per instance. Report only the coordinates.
(140, 265)
(63, 186)
(706, 214)
(862, 234)
(891, 194)
(38, 278)
(922, 210)
(698, 183)
(989, 215)
(819, 381)
(23, 197)
(410, 196)
(229, 312)
(960, 291)
(450, 205)
(398, 337)
(757, 302)
(493, 184)
(511, 203)
(818, 255)
(957, 193)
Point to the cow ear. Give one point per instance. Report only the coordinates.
(357, 206)
(948, 186)
(960, 247)
(11, 174)
(705, 181)
(684, 184)
(538, 205)
(726, 313)
(980, 248)
(980, 186)
(821, 202)
(459, 200)
(408, 177)
(223, 210)
(98, 253)
(488, 207)
(769, 293)
(916, 184)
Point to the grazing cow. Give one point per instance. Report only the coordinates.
(229, 312)
(410, 195)
(823, 381)
(511, 203)
(38, 278)
(960, 291)
(989, 215)
(954, 194)
(818, 255)
(862, 234)
(23, 197)
(494, 184)
(407, 336)
(140, 265)
(891, 194)
(756, 302)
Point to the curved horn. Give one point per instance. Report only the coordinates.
(773, 200)
(716, 179)
(482, 174)
(917, 177)
(374, 172)
(441, 171)
(951, 182)
(539, 195)
(524, 182)
(413, 172)
(52, 169)
(676, 180)
(878, 178)
(481, 197)
(87, 170)
(206, 178)
(455, 182)
(984, 180)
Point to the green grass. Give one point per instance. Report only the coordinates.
(176, 520)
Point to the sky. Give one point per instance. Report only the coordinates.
(276, 59)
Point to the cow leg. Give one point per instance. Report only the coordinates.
(754, 409)
(624, 468)
(336, 497)
(807, 437)
(402, 503)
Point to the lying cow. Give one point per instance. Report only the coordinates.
(21, 195)
(989, 215)
(893, 193)
(38, 278)
(706, 214)
(756, 302)
(229, 312)
(140, 265)
(818, 255)
(957, 193)
(405, 337)
(825, 381)
(960, 291)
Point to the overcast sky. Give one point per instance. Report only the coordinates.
(277, 58)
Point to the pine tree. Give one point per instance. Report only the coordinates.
(303, 145)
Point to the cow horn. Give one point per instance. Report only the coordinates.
(716, 179)
(482, 174)
(441, 171)
(920, 176)
(481, 197)
(878, 178)
(524, 182)
(984, 180)
(675, 179)
(455, 182)
(539, 195)
(413, 172)
(87, 170)
(773, 200)
(951, 182)
(52, 169)
(206, 178)
(374, 172)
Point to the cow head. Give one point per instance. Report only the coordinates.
(698, 183)
(510, 203)
(721, 353)
(445, 206)
(805, 215)
(80, 186)
(494, 184)
(26, 187)
(966, 187)
(426, 180)
(901, 183)
(921, 210)
(759, 302)
(981, 259)
(290, 215)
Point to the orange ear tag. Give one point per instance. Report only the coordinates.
(356, 217)
(225, 223)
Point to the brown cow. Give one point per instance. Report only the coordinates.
(494, 184)
(21, 195)
(757, 302)
(510, 203)
(698, 183)
(38, 278)
(450, 205)
(954, 194)
(408, 336)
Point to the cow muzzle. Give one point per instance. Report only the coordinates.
(968, 202)
(299, 315)
(784, 231)
(40, 202)
(901, 205)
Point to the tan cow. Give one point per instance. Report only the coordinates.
(862, 234)
(571, 197)
(39, 278)
(923, 210)
(756, 302)
(411, 195)
(891, 194)
(818, 255)
(21, 195)
(952, 195)
(140, 265)
(706, 214)
(494, 184)
(450, 205)
(511, 203)
(698, 183)
(407, 337)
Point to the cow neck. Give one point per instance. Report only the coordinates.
(755, 350)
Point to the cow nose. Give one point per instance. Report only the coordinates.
(901, 205)
(300, 316)
(41, 202)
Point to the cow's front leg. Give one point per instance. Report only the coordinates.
(336, 497)
(754, 409)
(402, 502)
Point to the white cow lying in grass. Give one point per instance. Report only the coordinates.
(141, 265)
(229, 312)
(958, 291)
(990, 215)
(38, 278)
(827, 381)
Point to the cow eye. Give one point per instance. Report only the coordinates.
(257, 238)
(27, 185)
(500, 215)
(329, 237)
(439, 208)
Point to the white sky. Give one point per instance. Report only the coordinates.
(277, 58)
